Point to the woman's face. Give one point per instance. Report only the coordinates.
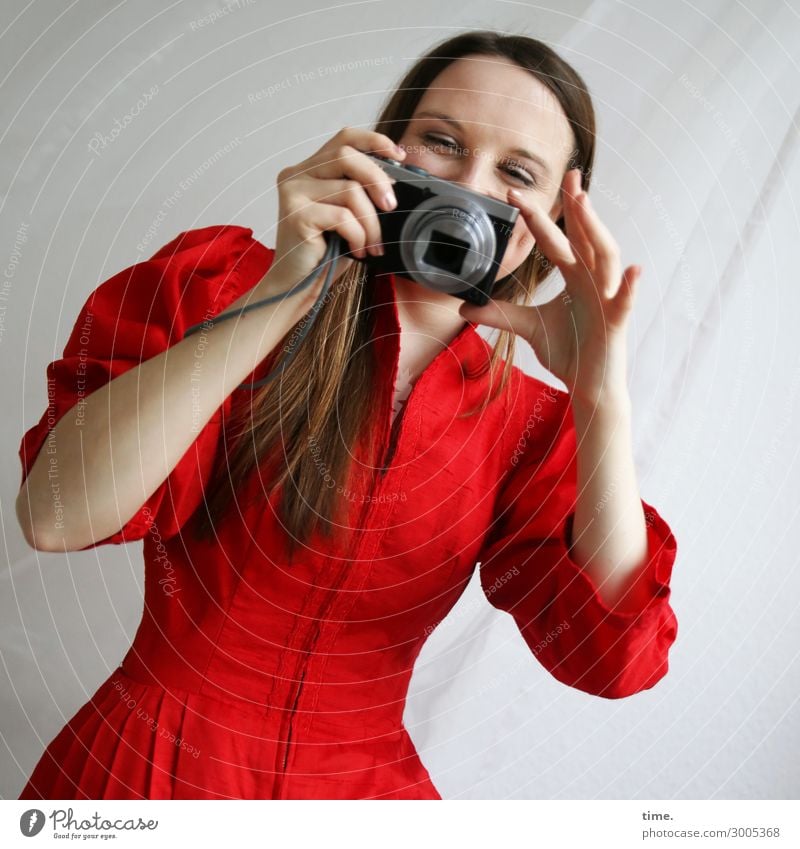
(490, 125)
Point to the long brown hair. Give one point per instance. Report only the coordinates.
(336, 359)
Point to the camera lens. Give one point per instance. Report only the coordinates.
(446, 252)
(448, 242)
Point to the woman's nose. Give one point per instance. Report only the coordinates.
(475, 173)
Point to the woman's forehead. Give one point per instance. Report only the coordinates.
(494, 97)
(496, 79)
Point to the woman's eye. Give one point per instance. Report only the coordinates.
(520, 174)
(440, 141)
(452, 146)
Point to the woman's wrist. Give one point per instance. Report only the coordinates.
(275, 284)
(291, 306)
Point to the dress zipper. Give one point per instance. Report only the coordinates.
(292, 711)
(291, 716)
(394, 432)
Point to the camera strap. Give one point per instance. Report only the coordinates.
(334, 249)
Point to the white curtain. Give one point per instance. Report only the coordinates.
(696, 175)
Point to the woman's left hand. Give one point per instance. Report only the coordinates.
(580, 335)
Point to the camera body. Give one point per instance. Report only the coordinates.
(442, 235)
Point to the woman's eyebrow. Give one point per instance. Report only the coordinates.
(517, 151)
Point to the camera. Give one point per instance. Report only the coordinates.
(442, 235)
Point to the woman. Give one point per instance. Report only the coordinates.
(300, 543)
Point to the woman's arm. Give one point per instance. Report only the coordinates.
(134, 429)
(581, 338)
(528, 570)
(609, 534)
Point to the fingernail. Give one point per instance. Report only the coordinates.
(389, 200)
(400, 150)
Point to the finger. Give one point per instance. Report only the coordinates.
(605, 247)
(550, 240)
(500, 314)
(349, 193)
(626, 294)
(359, 140)
(326, 216)
(352, 164)
(368, 141)
(576, 233)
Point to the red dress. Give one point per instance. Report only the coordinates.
(249, 679)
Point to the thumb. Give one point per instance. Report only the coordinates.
(500, 314)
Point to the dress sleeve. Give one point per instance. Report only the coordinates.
(130, 318)
(526, 570)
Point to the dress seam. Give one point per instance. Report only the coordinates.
(215, 642)
(371, 560)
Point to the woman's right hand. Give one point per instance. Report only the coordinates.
(333, 190)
